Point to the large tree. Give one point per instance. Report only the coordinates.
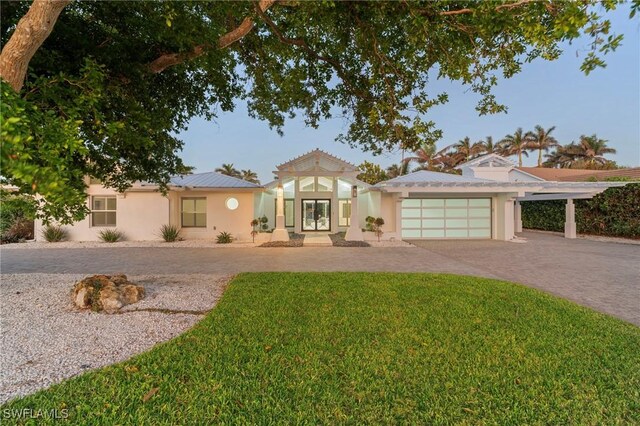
(542, 140)
(519, 143)
(102, 88)
(587, 153)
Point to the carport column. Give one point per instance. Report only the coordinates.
(354, 232)
(280, 233)
(517, 211)
(570, 220)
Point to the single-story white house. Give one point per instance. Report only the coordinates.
(318, 192)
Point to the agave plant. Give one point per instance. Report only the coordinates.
(224, 238)
(170, 233)
(54, 233)
(111, 235)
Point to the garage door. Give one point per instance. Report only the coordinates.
(446, 218)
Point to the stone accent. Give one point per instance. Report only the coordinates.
(107, 293)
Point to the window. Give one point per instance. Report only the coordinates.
(308, 184)
(232, 203)
(345, 212)
(194, 212)
(325, 184)
(103, 211)
(289, 215)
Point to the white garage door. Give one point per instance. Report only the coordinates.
(446, 218)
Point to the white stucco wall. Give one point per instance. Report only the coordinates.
(219, 217)
(139, 216)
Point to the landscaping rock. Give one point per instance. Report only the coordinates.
(107, 293)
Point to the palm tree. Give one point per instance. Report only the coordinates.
(587, 153)
(250, 176)
(542, 141)
(488, 147)
(229, 170)
(517, 144)
(425, 156)
(466, 150)
(396, 170)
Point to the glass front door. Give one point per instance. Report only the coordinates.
(316, 215)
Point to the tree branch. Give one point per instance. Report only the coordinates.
(497, 8)
(170, 59)
(32, 30)
(303, 44)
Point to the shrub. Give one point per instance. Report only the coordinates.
(16, 216)
(614, 212)
(54, 233)
(170, 233)
(22, 229)
(224, 238)
(111, 235)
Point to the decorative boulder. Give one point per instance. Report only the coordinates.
(106, 293)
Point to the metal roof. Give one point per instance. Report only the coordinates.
(211, 180)
(427, 176)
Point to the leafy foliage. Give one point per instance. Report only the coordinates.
(54, 233)
(370, 348)
(615, 213)
(371, 173)
(170, 233)
(95, 102)
(224, 238)
(110, 235)
(17, 212)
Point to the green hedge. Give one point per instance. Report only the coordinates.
(615, 213)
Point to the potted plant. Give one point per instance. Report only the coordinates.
(254, 232)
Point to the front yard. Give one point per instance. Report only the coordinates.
(372, 348)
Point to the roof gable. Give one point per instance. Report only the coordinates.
(488, 160)
(317, 160)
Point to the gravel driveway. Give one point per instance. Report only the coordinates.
(44, 339)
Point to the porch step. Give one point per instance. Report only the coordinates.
(317, 240)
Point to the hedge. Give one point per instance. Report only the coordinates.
(614, 212)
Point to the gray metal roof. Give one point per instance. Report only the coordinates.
(426, 176)
(211, 180)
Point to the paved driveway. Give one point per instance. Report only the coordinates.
(604, 276)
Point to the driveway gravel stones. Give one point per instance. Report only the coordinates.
(44, 339)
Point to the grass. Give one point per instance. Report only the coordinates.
(372, 348)
(54, 233)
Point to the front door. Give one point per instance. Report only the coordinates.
(316, 215)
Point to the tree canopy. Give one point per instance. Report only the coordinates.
(107, 91)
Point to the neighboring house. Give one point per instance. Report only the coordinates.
(318, 192)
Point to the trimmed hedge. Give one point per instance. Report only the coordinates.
(615, 213)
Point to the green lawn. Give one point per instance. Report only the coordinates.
(378, 348)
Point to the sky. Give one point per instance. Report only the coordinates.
(557, 93)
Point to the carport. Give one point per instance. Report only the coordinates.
(570, 208)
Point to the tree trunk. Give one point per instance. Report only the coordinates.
(519, 158)
(540, 157)
(32, 30)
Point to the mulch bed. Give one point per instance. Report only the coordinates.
(295, 240)
(339, 241)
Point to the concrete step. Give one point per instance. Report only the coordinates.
(317, 240)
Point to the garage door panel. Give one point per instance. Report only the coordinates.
(411, 223)
(456, 233)
(480, 223)
(433, 233)
(446, 218)
(433, 223)
(411, 213)
(480, 233)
